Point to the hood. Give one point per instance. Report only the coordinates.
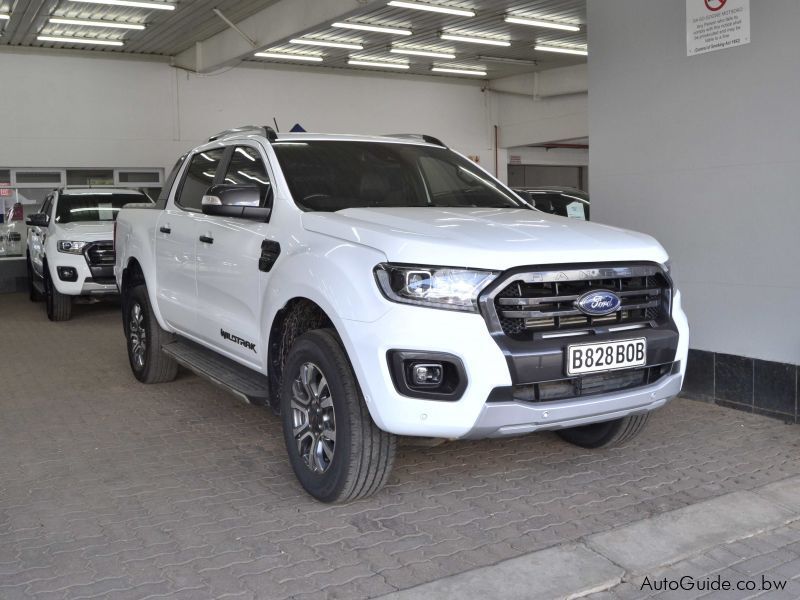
(89, 231)
(487, 238)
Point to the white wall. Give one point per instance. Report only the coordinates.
(541, 107)
(68, 109)
(704, 153)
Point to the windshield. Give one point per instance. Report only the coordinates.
(94, 206)
(564, 204)
(334, 175)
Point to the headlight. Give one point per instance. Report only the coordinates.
(71, 247)
(435, 287)
(668, 269)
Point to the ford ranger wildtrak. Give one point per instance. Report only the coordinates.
(373, 287)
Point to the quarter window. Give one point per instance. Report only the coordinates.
(247, 168)
(199, 177)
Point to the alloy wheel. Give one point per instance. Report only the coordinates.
(137, 336)
(313, 418)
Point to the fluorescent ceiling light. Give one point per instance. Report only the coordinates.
(326, 44)
(4, 16)
(282, 56)
(474, 40)
(78, 40)
(413, 52)
(380, 65)
(459, 71)
(539, 23)
(562, 50)
(510, 61)
(373, 28)
(131, 3)
(433, 8)
(88, 23)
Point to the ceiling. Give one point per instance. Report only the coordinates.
(168, 33)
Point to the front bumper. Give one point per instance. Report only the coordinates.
(467, 337)
(499, 419)
(90, 281)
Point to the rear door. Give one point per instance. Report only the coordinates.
(176, 242)
(228, 275)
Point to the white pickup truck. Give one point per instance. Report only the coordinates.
(69, 250)
(370, 287)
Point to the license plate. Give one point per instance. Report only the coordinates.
(605, 356)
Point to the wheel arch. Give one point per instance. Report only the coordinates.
(297, 316)
(132, 275)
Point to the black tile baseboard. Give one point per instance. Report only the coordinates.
(748, 384)
(13, 276)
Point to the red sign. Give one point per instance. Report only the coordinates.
(715, 5)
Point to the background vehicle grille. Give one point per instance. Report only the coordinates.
(533, 303)
(100, 254)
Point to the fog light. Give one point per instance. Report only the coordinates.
(67, 274)
(427, 374)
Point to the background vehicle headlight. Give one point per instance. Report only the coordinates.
(71, 247)
(435, 287)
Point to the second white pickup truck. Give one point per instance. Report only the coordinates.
(371, 287)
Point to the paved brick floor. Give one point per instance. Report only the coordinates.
(109, 487)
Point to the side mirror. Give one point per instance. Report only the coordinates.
(38, 220)
(240, 201)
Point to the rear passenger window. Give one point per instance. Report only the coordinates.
(199, 177)
(247, 168)
(163, 195)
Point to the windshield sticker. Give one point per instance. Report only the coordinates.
(575, 211)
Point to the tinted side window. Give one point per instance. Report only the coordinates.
(163, 195)
(199, 177)
(48, 202)
(247, 168)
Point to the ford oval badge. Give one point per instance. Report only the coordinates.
(598, 303)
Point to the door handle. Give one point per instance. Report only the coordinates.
(206, 239)
(164, 229)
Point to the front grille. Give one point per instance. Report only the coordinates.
(544, 301)
(100, 254)
(589, 385)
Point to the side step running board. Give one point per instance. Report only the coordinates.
(251, 386)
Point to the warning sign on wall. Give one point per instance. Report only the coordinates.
(716, 25)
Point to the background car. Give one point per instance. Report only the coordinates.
(13, 231)
(561, 201)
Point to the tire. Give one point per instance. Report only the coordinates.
(144, 339)
(606, 434)
(59, 306)
(33, 293)
(353, 457)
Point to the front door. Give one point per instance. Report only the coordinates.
(37, 237)
(228, 275)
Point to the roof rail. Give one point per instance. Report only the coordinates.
(264, 130)
(419, 136)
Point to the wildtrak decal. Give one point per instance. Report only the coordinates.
(237, 340)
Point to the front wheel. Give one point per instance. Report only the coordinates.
(59, 306)
(144, 338)
(606, 434)
(337, 452)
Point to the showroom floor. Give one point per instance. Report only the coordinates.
(111, 487)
